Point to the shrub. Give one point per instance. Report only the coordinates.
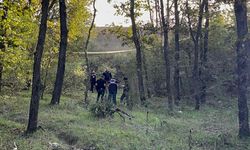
(102, 110)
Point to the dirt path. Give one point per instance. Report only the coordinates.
(105, 52)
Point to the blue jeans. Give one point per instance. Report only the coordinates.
(112, 96)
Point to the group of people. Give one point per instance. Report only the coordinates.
(106, 85)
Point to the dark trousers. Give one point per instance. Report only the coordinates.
(112, 97)
(92, 85)
(100, 92)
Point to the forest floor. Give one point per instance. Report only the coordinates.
(71, 126)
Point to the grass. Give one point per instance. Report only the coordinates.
(73, 127)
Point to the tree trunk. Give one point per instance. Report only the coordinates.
(196, 40)
(177, 56)
(156, 13)
(62, 54)
(86, 57)
(146, 73)
(204, 56)
(150, 13)
(36, 82)
(242, 49)
(138, 53)
(166, 55)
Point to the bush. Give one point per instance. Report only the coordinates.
(102, 110)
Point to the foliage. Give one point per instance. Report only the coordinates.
(79, 18)
(21, 29)
(102, 110)
(18, 35)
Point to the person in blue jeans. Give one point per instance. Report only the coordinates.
(112, 91)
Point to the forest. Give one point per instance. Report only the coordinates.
(176, 81)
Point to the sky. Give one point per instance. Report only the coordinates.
(106, 14)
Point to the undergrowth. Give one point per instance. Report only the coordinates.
(71, 126)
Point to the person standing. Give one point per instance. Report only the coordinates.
(100, 88)
(107, 75)
(124, 97)
(92, 81)
(112, 91)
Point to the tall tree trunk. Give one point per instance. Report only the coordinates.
(138, 53)
(196, 78)
(196, 40)
(144, 61)
(86, 57)
(204, 56)
(2, 43)
(151, 15)
(177, 56)
(36, 82)
(62, 54)
(156, 13)
(242, 49)
(166, 55)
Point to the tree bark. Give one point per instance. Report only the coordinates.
(204, 56)
(242, 50)
(196, 40)
(62, 54)
(138, 53)
(166, 55)
(36, 82)
(146, 73)
(150, 13)
(177, 56)
(156, 13)
(86, 57)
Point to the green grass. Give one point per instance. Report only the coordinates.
(72, 126)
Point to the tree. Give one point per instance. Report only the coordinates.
(36, 82)
(242, 50)
(177, 55)
(138, 53)
(203, 68)
(17, 26)
(86, 57)
(62, 54)
(196, 40)
(166, 53)
(2, 42)
(150, 12)
(145, 68)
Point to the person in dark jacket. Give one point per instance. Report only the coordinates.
(100, 88)
(92, 81)
(112, 91)
(124, 97)
(107, 75)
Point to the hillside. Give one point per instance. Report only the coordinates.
(104, 40)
